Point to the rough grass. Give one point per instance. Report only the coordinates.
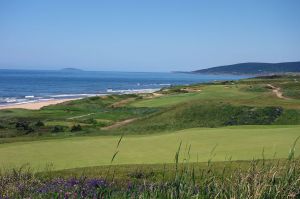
(238, 94)
(236, 143)
(197, 114)
(253, 179)
(90, 113)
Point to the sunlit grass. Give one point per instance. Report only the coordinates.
(238, 143)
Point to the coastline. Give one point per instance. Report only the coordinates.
(36, 105)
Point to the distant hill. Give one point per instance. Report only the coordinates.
(254, 68)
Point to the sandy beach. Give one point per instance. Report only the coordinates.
(36, 105)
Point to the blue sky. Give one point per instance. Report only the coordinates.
(145, 35)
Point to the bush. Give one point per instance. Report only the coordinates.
(254, 116)
(57, 129)
(22, 125)
(39, 124)
(76, 128)
(29, 130)
(89, 121)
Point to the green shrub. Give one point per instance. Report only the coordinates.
(76, 128)
(256, 88)
(57, 129)
(39, 124)
(290, 117)
(89, 121)
(22, 125)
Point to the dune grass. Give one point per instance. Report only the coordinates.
(195, 114)
(236, 143)
(90, 113)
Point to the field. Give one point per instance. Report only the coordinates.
(234, 94)
(235, 143)
(240, 122)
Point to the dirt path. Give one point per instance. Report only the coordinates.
(276, 91)
(191, 90)
(70, 118)
(119, 124)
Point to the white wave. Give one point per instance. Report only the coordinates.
(75, 95)
(133, 91)
(18, 102)
(26, 102)
(165, 84)
(157, 84)
(45, 99)
(8, 100)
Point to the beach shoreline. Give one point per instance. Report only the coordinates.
(37, 105)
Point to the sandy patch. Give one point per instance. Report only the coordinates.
(119, 124)
(277, 91)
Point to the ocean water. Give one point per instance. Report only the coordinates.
(24, 86)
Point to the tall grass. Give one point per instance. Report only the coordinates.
(260, 179)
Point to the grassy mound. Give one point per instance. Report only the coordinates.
(195, 114)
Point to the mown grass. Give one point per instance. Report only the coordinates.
(237, 94)
(210, 92)
(237, 143)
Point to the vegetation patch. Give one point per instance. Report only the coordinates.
(194, 114)
(255, 179)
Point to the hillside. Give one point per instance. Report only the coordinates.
(272, 100)
(253, 68)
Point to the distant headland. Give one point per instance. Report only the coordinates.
(253, 68)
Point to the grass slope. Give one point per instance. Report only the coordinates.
(159, 112)
(196, 114)
(90, 113)
(238, 143)
(240, 94)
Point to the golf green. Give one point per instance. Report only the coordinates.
(236, 143)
